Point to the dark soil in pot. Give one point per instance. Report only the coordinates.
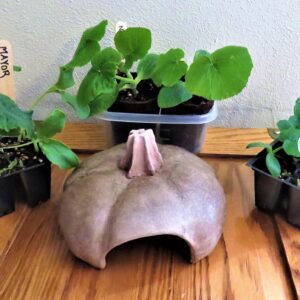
(145, 102)
(31, 172)
(25, 156)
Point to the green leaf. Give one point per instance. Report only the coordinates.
(82, 111)
(294, 121)
(146, 66)
(88, 45)
(106, 63)
(95, 33)
(101, 78)
(172, 96)
(286, 129)
(59, 154)
(12, 117)
(297, 108)
(260, 145)
(10, 133)
(221, 74)
(84, 54)
(200, 53)
(273, 165)
(291, 147)
(133, 43)
(103, 102)
(66, 79)
(54, 124)
(93, 85)
(169, 68)
(284, 125)
(17, 68)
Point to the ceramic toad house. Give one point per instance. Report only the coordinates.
(140, 190)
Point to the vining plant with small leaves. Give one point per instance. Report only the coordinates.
(19, 124)
(214, 76)
(288, 134)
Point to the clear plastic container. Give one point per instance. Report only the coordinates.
(186, 131)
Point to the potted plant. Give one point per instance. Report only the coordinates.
(277, 170)
(162, 92)
(27, 149)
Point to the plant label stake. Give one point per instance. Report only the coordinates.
(121, 26)
(7, 82)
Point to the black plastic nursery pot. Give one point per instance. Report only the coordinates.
(33, 183)
(274, 195)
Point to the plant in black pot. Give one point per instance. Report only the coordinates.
(277, 170)
(133, 88)
(27, 150)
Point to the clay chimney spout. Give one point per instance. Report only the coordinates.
(142, 155)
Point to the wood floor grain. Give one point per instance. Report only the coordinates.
(290, 237)
(91, 137)
(246, 264)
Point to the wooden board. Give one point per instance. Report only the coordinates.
(91, 137)
(290, 237)
(7, 83)
(246, 264)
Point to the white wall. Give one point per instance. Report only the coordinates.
(45, 33)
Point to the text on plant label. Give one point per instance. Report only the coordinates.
(4, 64)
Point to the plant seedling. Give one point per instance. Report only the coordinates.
(289, 136)
(22, 140)
(214, 76)
(18, 124)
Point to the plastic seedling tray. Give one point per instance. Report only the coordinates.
(186, 131)
(273, 194)
(35, 184)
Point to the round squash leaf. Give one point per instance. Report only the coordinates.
(93, 85)
(103, 102)
(170, 67)
(133, 43)
(172, 96)
(221, 74)
(146, 66)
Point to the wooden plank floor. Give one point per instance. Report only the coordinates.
(91, 137)
(249, 261)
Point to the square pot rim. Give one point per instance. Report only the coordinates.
(161, 118)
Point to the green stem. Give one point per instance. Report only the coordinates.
(38, 99)
(36, 146)
(125, 87)
(16, 146)
(129, 75)
(125, 79)
(278, 149)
